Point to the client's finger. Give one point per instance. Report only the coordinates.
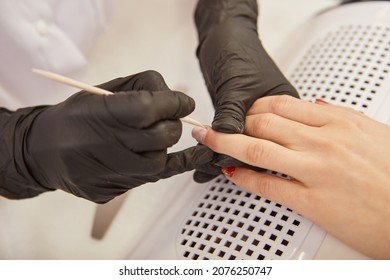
(253, 151)
(287, 192)
(339, 108)
(277, 129)
(293, 109)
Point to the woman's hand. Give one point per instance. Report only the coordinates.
(337, 158)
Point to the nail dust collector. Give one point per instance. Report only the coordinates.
(341, 56)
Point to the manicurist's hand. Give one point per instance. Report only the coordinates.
(338, 160)
(98, 147)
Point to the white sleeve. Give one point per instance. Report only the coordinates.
(50, 34)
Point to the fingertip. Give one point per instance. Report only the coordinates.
(199, 133)
(228, 171)
(228, 125)
(186, 103)
(201, 177)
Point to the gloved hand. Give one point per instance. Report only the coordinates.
(236, 68)
(98, 147)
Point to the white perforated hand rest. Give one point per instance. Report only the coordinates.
(346, 66)
(229, 223)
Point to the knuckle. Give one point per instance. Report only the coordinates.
(153, 76)
(280, 103)
(210, 140)
(264, 188)
(269, 187)
(260, 123)
(256, 153)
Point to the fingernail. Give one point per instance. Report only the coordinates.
(228, 171)
(320, 101)
(199, 133)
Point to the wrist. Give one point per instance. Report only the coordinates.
(16, 182)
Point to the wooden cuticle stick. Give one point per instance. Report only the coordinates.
(92, 89)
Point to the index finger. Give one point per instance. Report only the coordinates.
(256, 152)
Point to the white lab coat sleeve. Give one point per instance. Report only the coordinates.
(50, 34)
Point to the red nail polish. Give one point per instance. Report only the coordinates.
(228, 171)
(320, 101)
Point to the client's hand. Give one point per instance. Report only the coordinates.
(338, 159)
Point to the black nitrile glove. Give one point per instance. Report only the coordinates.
(236, 68)
(94, 146)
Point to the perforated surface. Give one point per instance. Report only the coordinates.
(229, 223)
(347, 66)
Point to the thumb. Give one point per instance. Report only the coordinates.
(230, 117)
(187, 160)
